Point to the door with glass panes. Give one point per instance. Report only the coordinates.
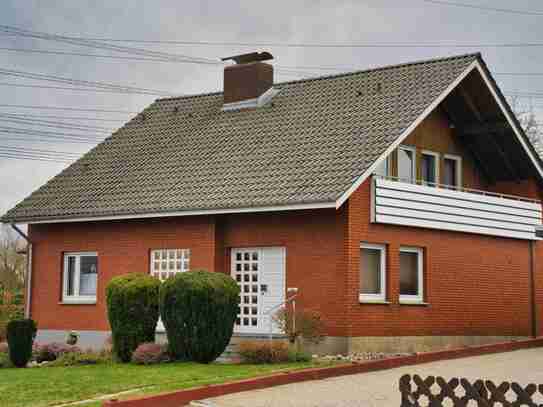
(260, 274)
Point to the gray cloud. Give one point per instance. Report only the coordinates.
(278, 21)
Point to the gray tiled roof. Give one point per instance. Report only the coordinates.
(309, 146)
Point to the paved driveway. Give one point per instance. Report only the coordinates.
(380, 389)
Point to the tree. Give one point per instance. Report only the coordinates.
(12, 262)
(528, 120)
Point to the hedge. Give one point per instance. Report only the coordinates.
(132, 306)
(21, 334)
(198, 309)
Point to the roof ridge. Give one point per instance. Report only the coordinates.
(476, 55)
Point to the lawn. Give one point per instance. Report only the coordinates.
(48, 386)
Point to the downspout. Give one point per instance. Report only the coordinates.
(28, 274)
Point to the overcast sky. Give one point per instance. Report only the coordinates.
(360, 21)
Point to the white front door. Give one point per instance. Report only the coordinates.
(260, 274)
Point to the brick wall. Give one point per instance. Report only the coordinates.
(311, 239)
(474, 284)
(122, 247)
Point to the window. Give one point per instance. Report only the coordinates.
(383, 169)
(452, 171)
(372, 272)
(80, 277)
(429, 167)
(411, 274)
(406, 164)
(167, 262)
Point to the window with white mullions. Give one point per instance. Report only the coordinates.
(452, 170)
(411, 275)
(407, 168)
(429, 166)
(383, 169)
(166, 263)
(372, 273)
(80, 277)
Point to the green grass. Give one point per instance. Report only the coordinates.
(47, 386)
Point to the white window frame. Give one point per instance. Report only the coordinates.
(458, 160)
(413, 163)
(436, 169)
(185, 254)
(76, 298)
(381, 297)
(419, 298)
(386, 163)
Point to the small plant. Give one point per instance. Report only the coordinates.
(199, 309)
(132, 307)
(72, 338)
(304, 324)
(257, 352)
(150, 354)
(52, 351)
(87, 357)
(299, 356)
(21, 334)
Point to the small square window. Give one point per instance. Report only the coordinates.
(80, 277)
(167, 262)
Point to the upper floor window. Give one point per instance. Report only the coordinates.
(407, 168)
(452, 170)
(411, 274)
(429, 166)
(372, 272)
(80, 277)
(383, 169)
(167, 262)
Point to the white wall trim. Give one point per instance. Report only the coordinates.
(474, 65)
(320, 205)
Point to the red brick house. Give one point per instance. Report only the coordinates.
(400, 202)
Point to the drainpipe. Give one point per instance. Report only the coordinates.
(28, 274)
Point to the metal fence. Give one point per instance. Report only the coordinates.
(437, 392)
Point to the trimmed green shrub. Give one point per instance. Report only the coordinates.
(260, 352)
(21, 334)
(198, 309)
(132, 307)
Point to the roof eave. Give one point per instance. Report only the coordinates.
(149, 215)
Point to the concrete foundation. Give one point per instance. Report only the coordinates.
(330, 345)
(410, 344)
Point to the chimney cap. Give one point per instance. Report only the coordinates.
(250, 57)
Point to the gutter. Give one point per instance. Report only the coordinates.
(28, 274)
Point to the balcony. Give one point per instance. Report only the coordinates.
(442, 207)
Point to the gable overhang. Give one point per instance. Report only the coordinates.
(478, 66)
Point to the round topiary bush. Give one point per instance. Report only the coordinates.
(21, 334)
(132, 307)
(198, 309)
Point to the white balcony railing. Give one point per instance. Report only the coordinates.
(463, 210)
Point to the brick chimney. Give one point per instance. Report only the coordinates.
(249, 82)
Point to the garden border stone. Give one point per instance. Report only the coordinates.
(181, 397)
